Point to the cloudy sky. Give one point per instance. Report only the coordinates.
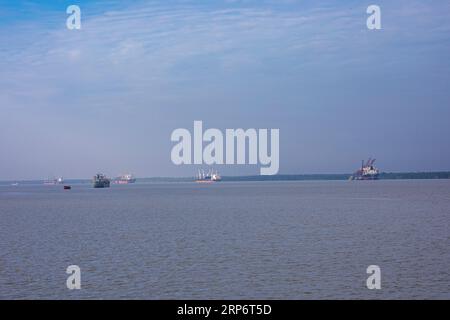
(107, 97)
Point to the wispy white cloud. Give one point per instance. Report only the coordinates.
(146, 43)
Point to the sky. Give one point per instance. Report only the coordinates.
(108, 96)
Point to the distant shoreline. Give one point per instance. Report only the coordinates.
(280, 177)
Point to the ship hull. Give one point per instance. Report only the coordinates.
(374, 177)
(125, 181)
(99, 185)
(204, 181)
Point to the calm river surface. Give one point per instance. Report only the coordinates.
(230, 240)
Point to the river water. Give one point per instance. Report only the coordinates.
(229, 240)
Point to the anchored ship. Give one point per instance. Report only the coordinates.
(367, 171)
(125, 179)
(208, 177)
(54, 181)
(101, 181)
(216, 177)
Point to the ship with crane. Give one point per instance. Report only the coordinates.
(367, 171)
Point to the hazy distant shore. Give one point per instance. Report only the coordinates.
(281, 177)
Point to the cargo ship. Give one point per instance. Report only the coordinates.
(367, 171)
(101, 181)
(53, 181)
(125, 179)
(208, 177)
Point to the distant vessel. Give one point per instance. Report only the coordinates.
(54, 181)
(367, 171)
(216, 177)
(101, 181)
(125, 179)
(208, 177)
(15, 184)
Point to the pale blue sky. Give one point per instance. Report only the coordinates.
(108, 96)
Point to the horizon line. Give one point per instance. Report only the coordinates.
(261, 177)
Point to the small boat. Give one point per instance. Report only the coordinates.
(67, 187)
